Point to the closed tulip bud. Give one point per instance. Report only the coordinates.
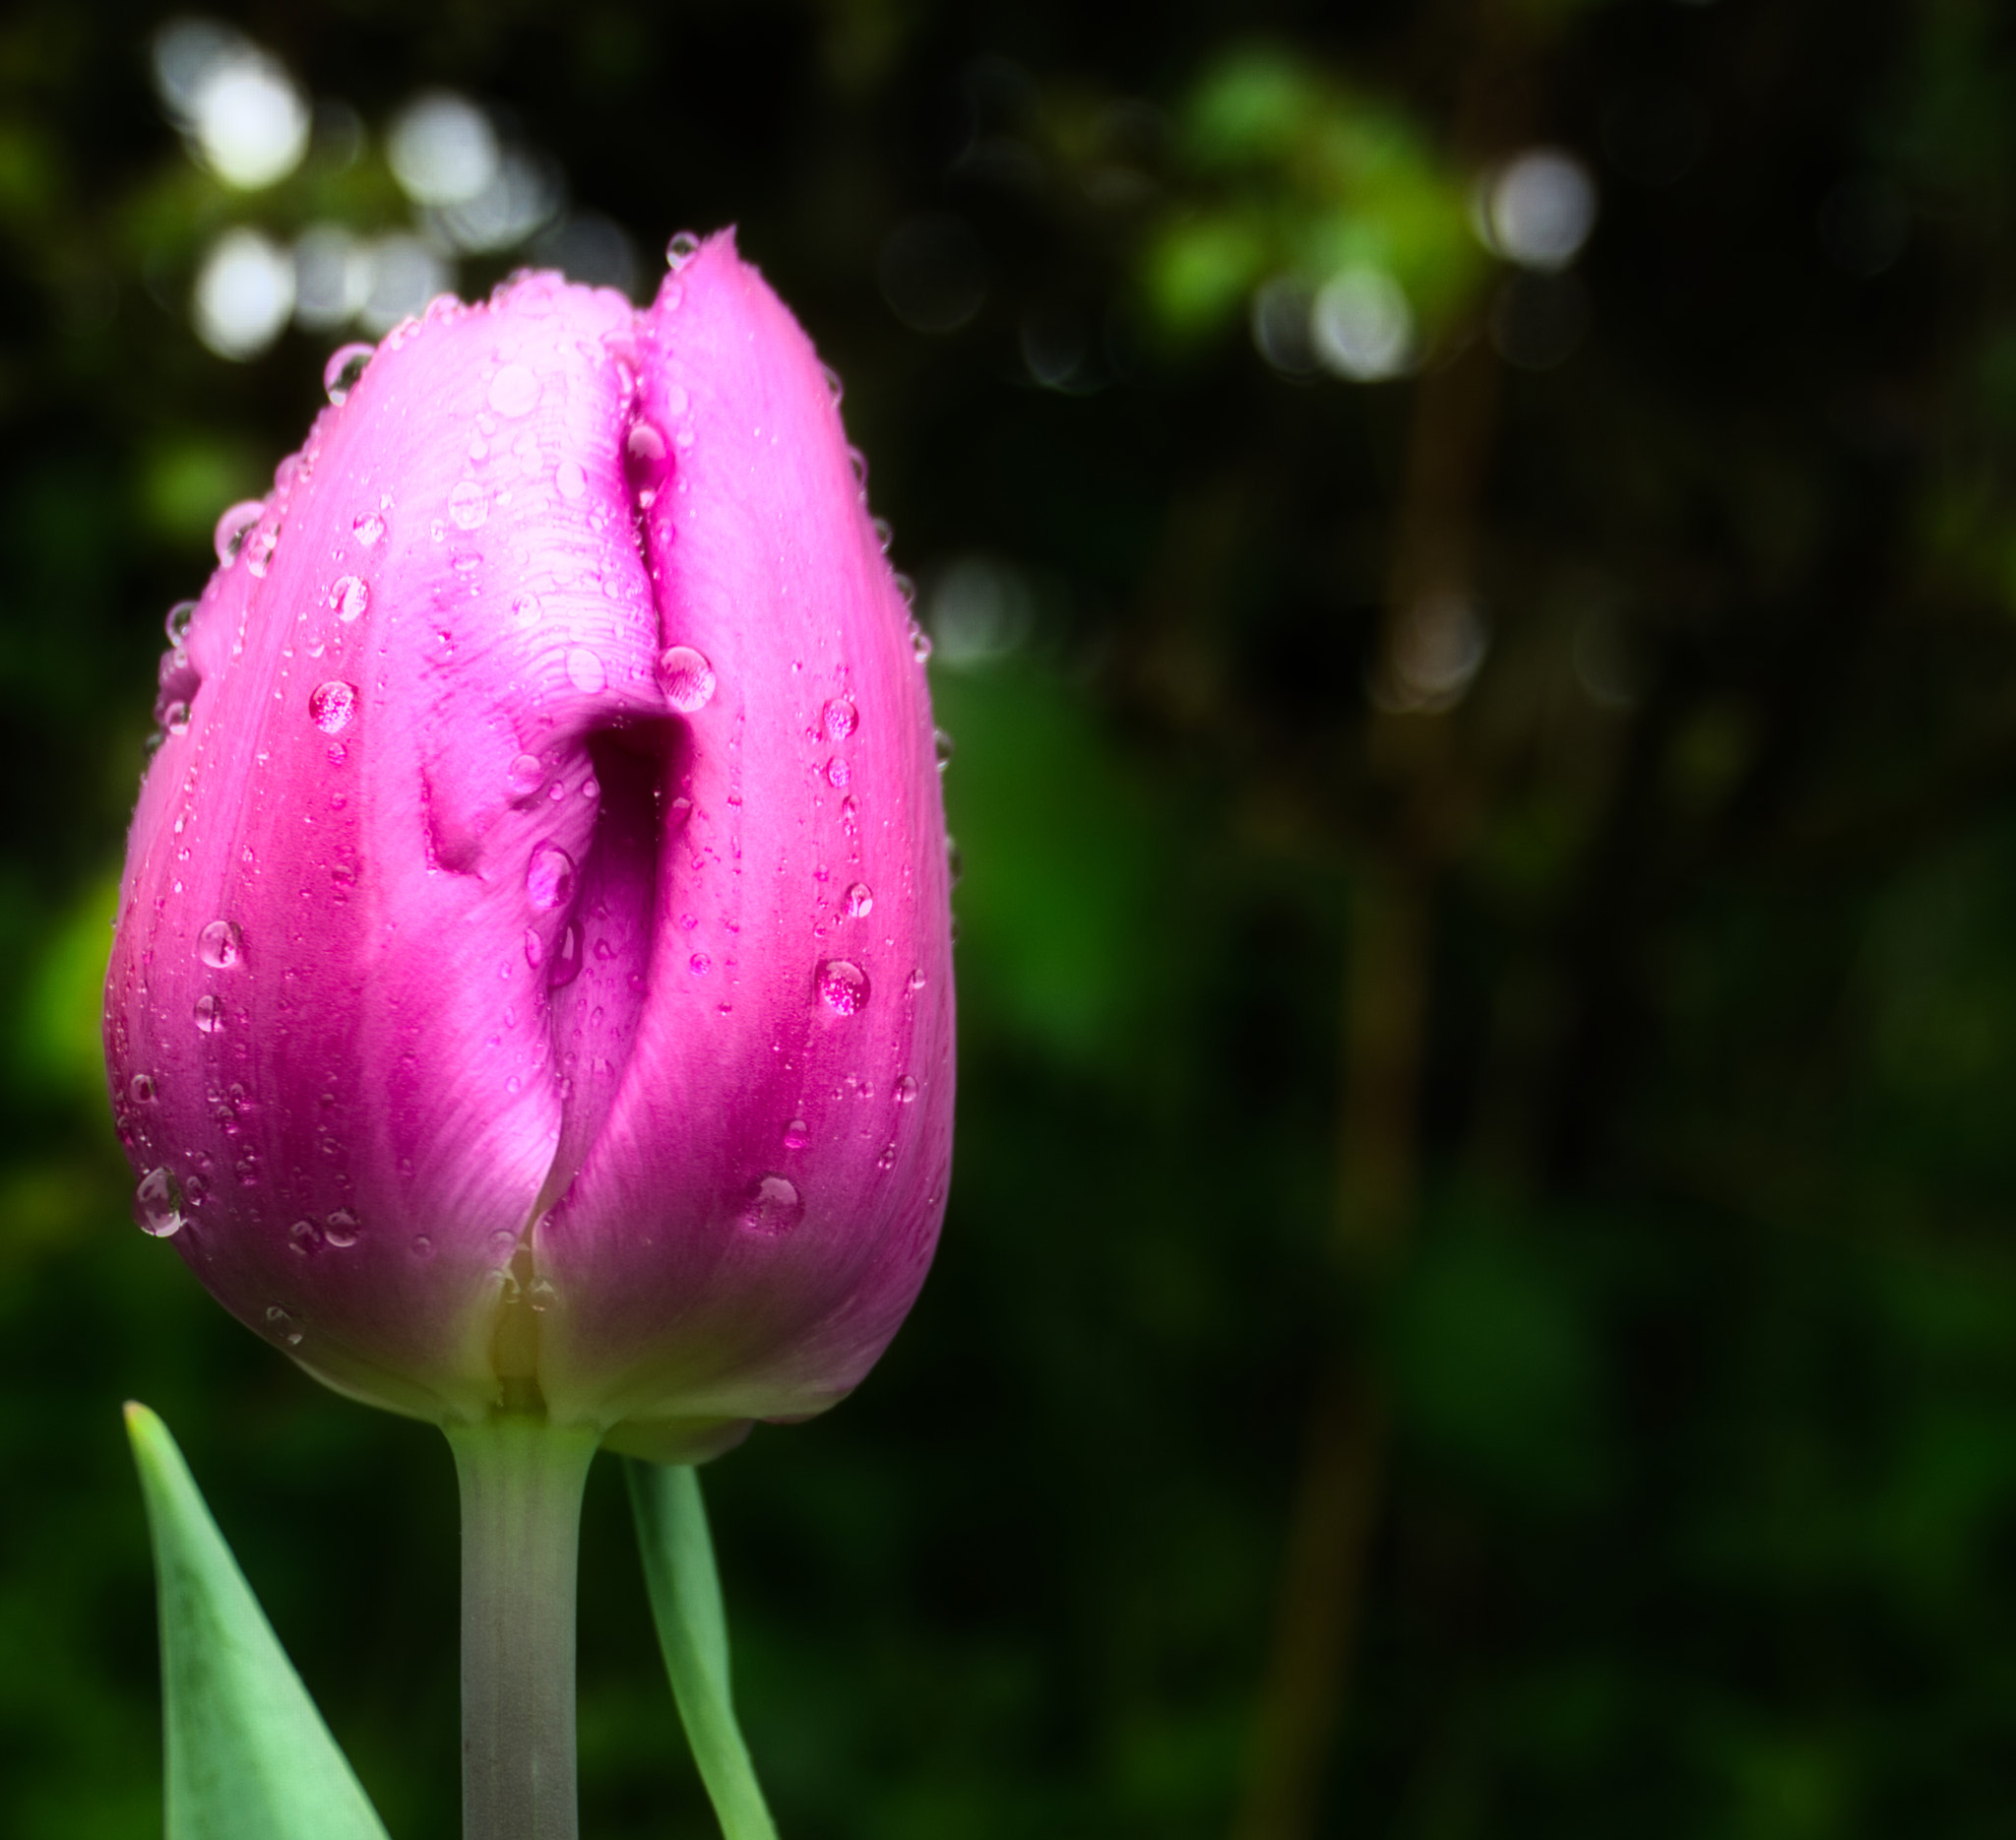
(533, 979)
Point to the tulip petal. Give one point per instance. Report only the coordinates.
(756, 1213)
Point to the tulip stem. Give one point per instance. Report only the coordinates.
(522, 1480)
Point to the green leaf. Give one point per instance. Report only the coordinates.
(248, 1756)
(693, 1631)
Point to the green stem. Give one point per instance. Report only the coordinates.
(522, 1480)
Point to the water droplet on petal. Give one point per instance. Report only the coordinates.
(887, 1160)
(773, 1207)
(834, 388)
(838, 772)
(210, 1014)
(367, 527)
(341, 1230)
(469, 506)
(176, 625)
(514, 391)
(423, 1248)
(687, 680)
(219, 944)
(157, 1202)
(857, 465)
(682, 248)
(305, 1237)
(941, 748)
(907, 588)
(795, 1134)
(919, 642)
(549, 876)
(526, 610)
(841, 719)
(885, 532)
(905, 1091)
(345, 365)
(570, 479)
(175, 717)
(235, 527)
(861, 902)
(843, 987)
(526, 774)
(566, 959)
(955, 861)
(585, 671)
(140, 1089)
(700, 964)
(350, 596)
(333, 705)
(284, 1324)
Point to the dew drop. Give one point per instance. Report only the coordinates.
(140, 1089)
(210, 1014)
(773, 1207)
(941, 748)
(917, 979)
(857, 465)
(535, 949)
(907, 588)
(885, 532)
(350, 596)
(469, 505)
(235, 527)
(526, 610)
(644, 449)
(345, 365)
(340, 1229)
(795, 1134)
(175, 719)
(682, 248)
(838, 772)
(332, 706)
(514, 391)
(919, 642)
(687, 678)
(284, 1324)
(841, 719)
(905, 1091)
(700, 964)
(586, 670)
(835, 387)
(843, 987)
(525, 776)
(566, 959)
(550, 878)
(423, 1248)
(570, 479)
(305, 1237)
(955, 861)
(176, 625)
(220, 945)
(887, 1160)
(157, 1202)
(259, 551)
(860, 900)
(367, 527)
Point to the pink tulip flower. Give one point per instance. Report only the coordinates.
(533, 982)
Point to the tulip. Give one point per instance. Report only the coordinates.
(531, 1006)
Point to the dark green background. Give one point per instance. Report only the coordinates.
(1699, 1512)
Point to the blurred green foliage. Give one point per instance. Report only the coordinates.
(1698, 1513)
